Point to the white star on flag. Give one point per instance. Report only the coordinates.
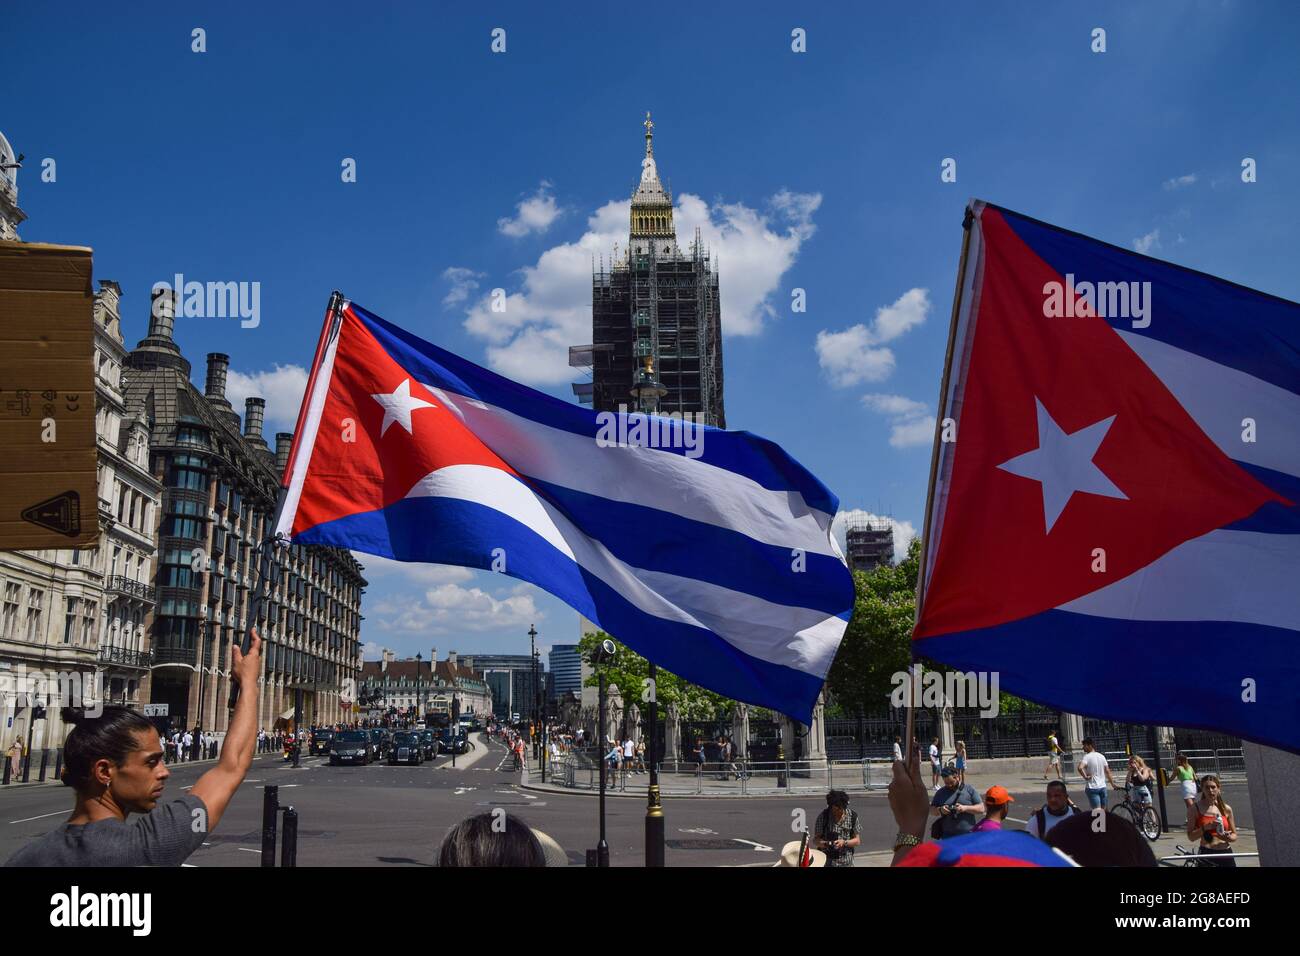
(1063, 464)
(398, 406)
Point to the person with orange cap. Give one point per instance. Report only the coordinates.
(997, 804)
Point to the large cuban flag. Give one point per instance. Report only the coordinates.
(1115, 527)
(711, 555)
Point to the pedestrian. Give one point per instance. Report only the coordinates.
(898, 749)
(640, 756)
(1213, 823)
(177, 755)
(960, 761)
(613, 760)
(837, 830)
(16, 757)
(725, 763)
(954, 805)
(113, 763)
(1053, 756)
(934, 762)
(629, 751)
(698, 753)
(1096, 774)
(1187, 781)
(1058, 807)
(997, 804)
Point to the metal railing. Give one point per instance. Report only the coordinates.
(581, 770)
(125, 657)
(125, 585)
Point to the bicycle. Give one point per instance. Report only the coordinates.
(1192, 858)
(1141, 815)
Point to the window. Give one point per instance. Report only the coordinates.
(70, 622)
(88, 623)
(13, 595)
(34, 599)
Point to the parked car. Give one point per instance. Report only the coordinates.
(407, 748)
(320, 741)
(350, 746)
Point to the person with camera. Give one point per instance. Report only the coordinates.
(116, 767)
(837, 830)
(954, 806)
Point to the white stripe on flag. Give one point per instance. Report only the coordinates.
(1219, 398)
(1239, 576)
(665, 481)
(803, 638)
(307, 440)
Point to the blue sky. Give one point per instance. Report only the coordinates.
(475, 170)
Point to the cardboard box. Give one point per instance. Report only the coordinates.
(48, 492)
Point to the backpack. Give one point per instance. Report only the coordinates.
(1041, 816)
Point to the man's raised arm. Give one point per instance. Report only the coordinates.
(218, 785)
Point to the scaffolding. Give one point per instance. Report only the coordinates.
(869, 541)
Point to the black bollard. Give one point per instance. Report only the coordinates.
(45, 762)
(27, 767)
(58, 764)
(270, 808)
(289, 852)
(4, 781)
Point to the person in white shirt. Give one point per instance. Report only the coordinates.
(934, 762)
(1096, 774)
(1057, 809)
(898, 749)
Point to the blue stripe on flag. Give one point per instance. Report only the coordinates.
(1273, 517)
(1172, 673)
(452, 531)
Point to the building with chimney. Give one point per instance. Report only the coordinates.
(655, 313)
(416, 686)
(74, 623)
(220, 487)
(869, 542)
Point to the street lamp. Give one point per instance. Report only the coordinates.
(603, 653)
(203, 675)
(455, 722)
(532, 643)
(419, 703)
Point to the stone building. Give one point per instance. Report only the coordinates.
(220, 487)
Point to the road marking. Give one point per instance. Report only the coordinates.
(41, 817)
(247, 849)
(758, 847)
(702, 831)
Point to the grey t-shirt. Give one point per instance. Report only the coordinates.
(165, 836)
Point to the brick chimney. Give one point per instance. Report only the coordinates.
(451, 659)
(162, 313)
(254, 412)
(283, 441)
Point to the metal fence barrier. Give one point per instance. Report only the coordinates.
(581, 771)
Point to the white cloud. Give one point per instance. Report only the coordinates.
(282, 387)
(463, 282)
(534, 214)
(857, 354)
(904, 531)
(1147, 243)
(551, 309)
(1178, 182)
(371, 651)
(911, 423)
(450, 609)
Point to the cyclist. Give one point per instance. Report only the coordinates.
(1139, 780)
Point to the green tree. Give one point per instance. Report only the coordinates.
(631, 672)
(877, 643)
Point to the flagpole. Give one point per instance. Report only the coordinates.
(268, 568)
(910, 726)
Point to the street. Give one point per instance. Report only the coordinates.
(381, 815)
